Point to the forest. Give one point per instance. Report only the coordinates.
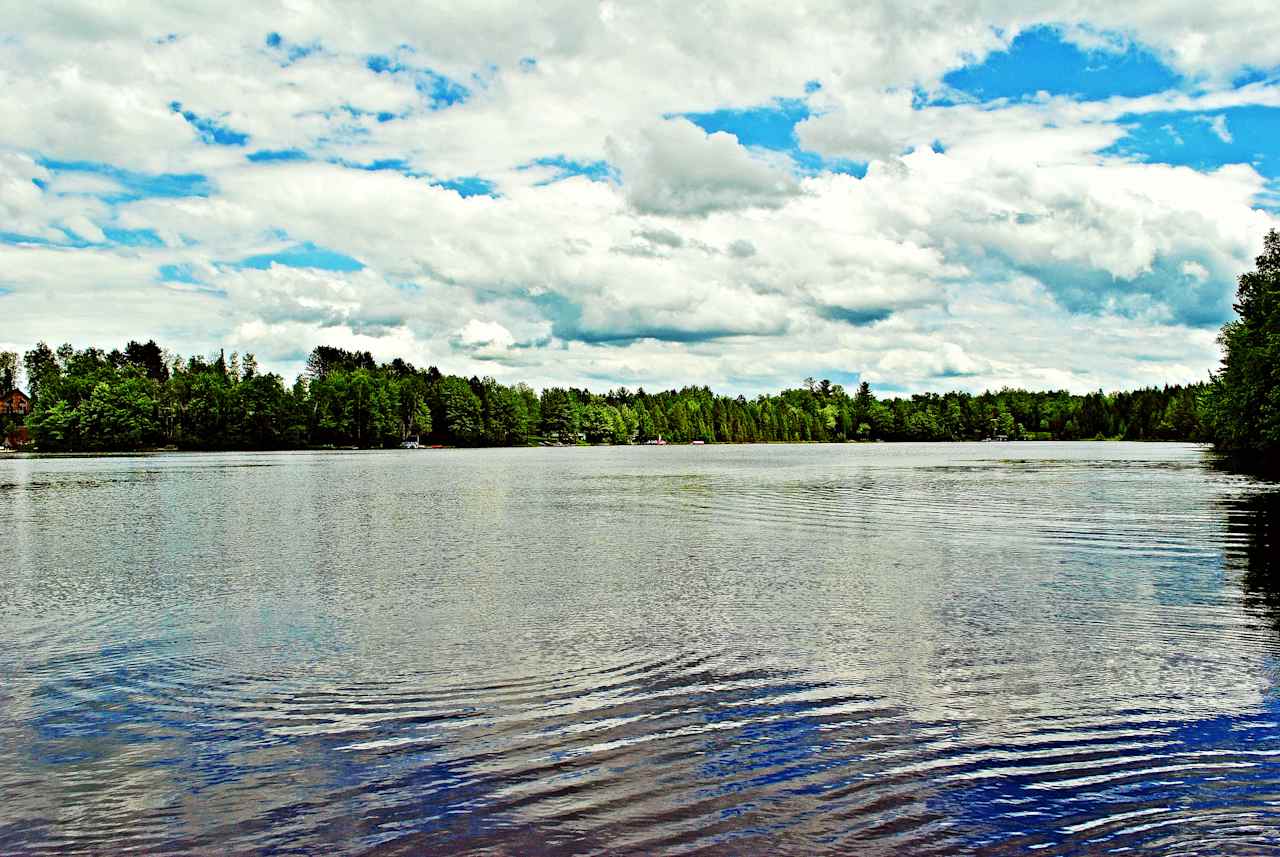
(143, 397)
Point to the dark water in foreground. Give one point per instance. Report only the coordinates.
(919, 649)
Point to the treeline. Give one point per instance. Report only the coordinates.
(144, 397)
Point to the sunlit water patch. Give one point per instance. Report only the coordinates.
(926, 649)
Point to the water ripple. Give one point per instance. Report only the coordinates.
(793, 650)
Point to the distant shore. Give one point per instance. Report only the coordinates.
(145, 397)
(171, 450)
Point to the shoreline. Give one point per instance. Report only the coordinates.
(155, 451)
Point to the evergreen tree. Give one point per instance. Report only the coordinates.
(1243, 405)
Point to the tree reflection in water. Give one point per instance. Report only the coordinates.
(1253, 526)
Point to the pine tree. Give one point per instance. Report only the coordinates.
(1243, 405)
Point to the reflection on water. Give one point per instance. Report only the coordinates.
(1255, 524)
(992, 648)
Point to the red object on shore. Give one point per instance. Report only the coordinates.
(18, 439)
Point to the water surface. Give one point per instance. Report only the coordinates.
(921, 649)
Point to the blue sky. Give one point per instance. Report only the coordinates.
(1040, 59)
(1205, 140)
(304, 255)
(924, 200)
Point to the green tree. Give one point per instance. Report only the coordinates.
(599, 422)
(119, 415)
(881, 420)
(414, 412)
(202, 401)
(1004, 423)
(42, 369)
(264, 407)
(460, 407)
(54, 426)
(560, 418)
(1243, 404)
(8, 371)
(529, 413)
(627, 426)
(149, 358)
(502, 413)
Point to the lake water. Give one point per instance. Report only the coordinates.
(921, 649)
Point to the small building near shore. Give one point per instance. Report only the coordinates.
(15, 403)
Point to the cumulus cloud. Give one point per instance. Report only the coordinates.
(513, 202)
(675, 168)
(480, 333)
(484, 340)
(868, 126)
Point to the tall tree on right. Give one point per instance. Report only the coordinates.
(1243, 405)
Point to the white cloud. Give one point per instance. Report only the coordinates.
(485, 340)
(85, 228)
(21, 200)
(1019, 255)
(479, 333)
(1218, 125)
(675, 168)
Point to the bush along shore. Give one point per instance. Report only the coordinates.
(144, 397)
